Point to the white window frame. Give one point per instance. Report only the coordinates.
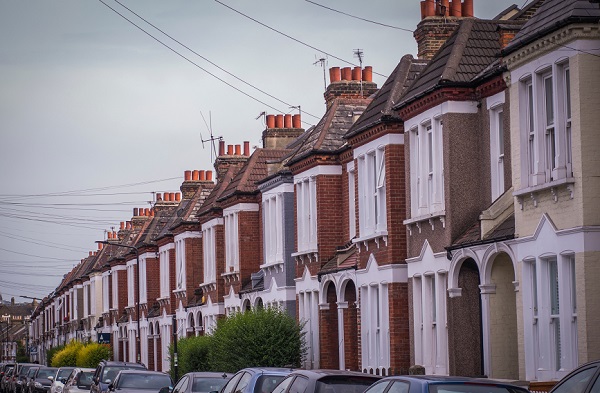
(351, 200)
(165, 284)
(209, 239)
(376, 327)
(545, 98)
(232, 241)
(552, 324)
(372, 219)
(180, 265)
(495, 106)
(306, 218)
(272, 206)
(131, 283)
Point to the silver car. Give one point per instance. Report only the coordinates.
(59, 379)
(79, 381)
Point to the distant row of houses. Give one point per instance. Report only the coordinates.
(449, 218)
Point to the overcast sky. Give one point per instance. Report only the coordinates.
(95, 114)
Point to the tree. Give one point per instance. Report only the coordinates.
(267, 337)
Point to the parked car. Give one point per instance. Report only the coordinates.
(326, 381)
(79, 381)
(6, 378)
(201, 382)
(583, 379)
(40, 381)
(59, 379)
(106, 372)
(446, 384)
(19, 382)
(140, 381)
(27, 385)
(256, 380)
(4, 367)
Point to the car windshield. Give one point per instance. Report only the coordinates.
(84, 379)
(64, 373)
(202, 385)
(45, 373)
(344, 384)
(266, 383)
(143, 381)
(470, 388)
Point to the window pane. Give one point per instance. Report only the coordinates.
(568, 91)
(500, 133)
(576, 383)
(549, 100)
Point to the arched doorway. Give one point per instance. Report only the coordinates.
(503, 337)
(464, 324)
(329, 338)
(351, 328)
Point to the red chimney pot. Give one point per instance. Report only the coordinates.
(367, 74)
(335, 74)
(178, 197)
(279, 121)
(247, 148)
(201, 174)
(356, 73)
(195, 175)
(270, 121)
(209, 175)
(297, 121)
(287, 121)
(187, 175)
(238, 150)
(229, 150)
(346, 73)
(221, 148)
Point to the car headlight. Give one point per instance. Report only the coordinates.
(58, 389)
(37, 385)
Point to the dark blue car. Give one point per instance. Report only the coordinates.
(441, 384)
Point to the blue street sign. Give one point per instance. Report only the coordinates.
(103, 338)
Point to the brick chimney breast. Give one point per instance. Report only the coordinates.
(353, 84)
(283, 132)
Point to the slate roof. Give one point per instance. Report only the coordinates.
(345, 258)
(157, 225)
(327, 135)
(188, 209)
(551, 16)
(211, 200)
(471, 49)
(472, 236)
(253, 171)
(380, 109)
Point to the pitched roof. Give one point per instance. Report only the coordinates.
(211, 201)
(472, 236)
(254, 170)
(471, 49)
(380, 108)
(551, 16)
(327, 135)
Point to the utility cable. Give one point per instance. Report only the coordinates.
(358, 17)
(189, 60)
(292, 38)
(207, 60)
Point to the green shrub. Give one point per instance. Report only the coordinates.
(68, 356)
(91, 354)
(266, 337)
(53, 351)
(192, 355)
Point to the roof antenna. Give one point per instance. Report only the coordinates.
(359, 53)
(212, 138)
(323, 62)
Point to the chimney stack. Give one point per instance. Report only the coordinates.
(352, 83)
(439, 19)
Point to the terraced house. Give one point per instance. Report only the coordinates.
(448, 219)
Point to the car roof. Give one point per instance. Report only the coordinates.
(434, 379)
(320, 373)
(142, 371)
(85, 369)
(117, 363)
(269, 370)
(209, 374)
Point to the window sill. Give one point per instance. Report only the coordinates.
(179, 293)
(272, 266)
(521, 194)
(231, 276)
(376, 236)
(209, 286)
(310, 255)
(419, 220)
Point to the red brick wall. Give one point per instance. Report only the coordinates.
(399, 328)
(193, 266)
(351, 342)
(152, 280)
(328, 335)
(329, 217)
(122, 285)
(249, 245)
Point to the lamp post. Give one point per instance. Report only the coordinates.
(137, 259)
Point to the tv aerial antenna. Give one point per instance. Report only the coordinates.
(323, 62)
(359, 54)
(212, 139)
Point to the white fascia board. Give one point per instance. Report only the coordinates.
(166, 247)
(212, 223)
(557, 56)
(190, 235)
(439, 110)
(241, 207)
(118, 268)
(148, 255)
(278, 294)
(374, 273)
(306, 283)
(496, 100)
(385, 140)
(428, 261)
(318, 170)
(280, 189)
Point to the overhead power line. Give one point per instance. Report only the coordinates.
(207, 60)
(191, 61)
(290, 37)
(358, 17)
